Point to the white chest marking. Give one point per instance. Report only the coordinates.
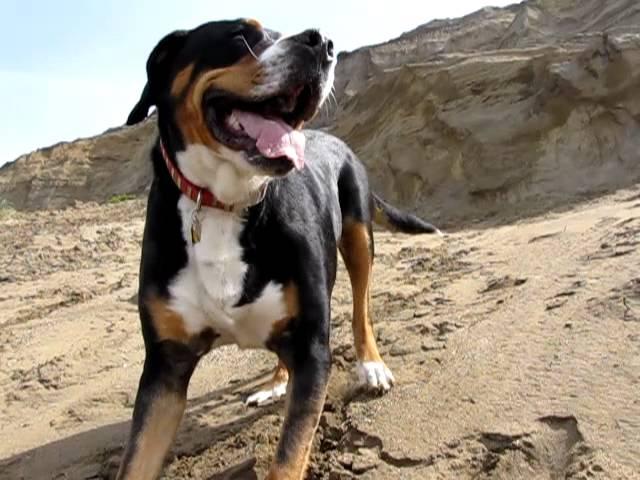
(207, 289)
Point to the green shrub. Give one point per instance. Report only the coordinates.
(122, 197)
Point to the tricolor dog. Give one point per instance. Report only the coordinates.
(245, 216)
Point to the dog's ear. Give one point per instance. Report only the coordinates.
(141, 110)
(158, 69)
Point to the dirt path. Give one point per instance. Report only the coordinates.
(516, 351)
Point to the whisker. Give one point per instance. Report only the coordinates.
(332, 96)
(326, 106)
(248, 47)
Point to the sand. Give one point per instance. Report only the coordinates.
(516, 350)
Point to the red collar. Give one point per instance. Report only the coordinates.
(198, 194)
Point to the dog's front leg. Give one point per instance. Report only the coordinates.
(160, 403)
(305, 350)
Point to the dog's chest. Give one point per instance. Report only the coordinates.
(206, 291)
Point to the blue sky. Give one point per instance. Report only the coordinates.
(73, 68)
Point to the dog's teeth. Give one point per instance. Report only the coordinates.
(233, 122)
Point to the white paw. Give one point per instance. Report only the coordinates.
(265, 397)
(375, 375)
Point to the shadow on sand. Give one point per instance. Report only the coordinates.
(93, 454)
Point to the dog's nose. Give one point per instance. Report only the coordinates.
(317, 42)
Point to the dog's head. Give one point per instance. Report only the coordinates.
(238, 92)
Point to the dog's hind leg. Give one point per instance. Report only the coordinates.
(273, 390)
(356, 247)
(357, 250)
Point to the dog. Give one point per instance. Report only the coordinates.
(245, 215)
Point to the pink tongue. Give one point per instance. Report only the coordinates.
(274, 138)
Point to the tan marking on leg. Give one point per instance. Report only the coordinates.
(299, 438)
(355, 250)
(168, 324)
(292, 306)
(273, 388)
(281, 374)
(153, 441)
(291, 299)
(181, 81)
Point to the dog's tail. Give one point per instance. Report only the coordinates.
(394, 219)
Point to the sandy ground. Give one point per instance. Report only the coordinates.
(516, 351)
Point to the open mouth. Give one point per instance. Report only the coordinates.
(268, 130)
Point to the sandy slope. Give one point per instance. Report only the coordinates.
(530, 106)
(516, 350)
